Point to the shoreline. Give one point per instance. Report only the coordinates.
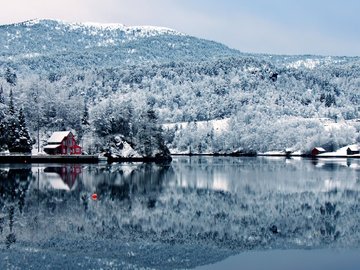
(89, 159)
(93, 159)
(216, 154)
(267, 155)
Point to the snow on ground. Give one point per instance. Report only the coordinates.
(313, 62)
(331, 125)
(95, 28)
(342, 152)
(274, 153)
(307, 63)
(223, 125)
(219, 125)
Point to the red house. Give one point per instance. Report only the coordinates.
(317, 150)
(62, 143)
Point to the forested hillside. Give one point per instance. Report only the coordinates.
(105, 81)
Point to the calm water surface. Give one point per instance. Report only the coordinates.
(207, 212)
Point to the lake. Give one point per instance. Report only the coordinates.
(196, 212)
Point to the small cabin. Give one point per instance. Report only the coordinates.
(317, 150)
(352, 150)
(62, 143)
(288, 152)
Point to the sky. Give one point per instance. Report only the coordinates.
(321, 27)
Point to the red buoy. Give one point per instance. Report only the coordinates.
(94, 196)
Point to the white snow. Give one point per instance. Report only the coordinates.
(219, 126)
(273, 153)
(308, 63)
(32, 22)
(58, 136)
(52, 146)
(5, 153)
(95, 28)
(342, 152)
(126, 151)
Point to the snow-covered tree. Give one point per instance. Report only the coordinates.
(10, 77)
(269, 99)
(2, 99)
(85, 116)
(11, 103)
(24, 139)
(12, 139)
(149, 135)
(18, 137)
(3, 131)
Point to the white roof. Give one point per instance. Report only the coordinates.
(58, 136)
(51, 146)
(353, 147)
(320, 149)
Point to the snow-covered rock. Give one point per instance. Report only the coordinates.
(118, 147)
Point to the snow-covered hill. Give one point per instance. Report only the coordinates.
(45, 44)
(52, 33)
(119, 73)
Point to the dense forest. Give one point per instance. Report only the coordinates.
(131, 87)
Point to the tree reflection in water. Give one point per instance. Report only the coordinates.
(228, 204)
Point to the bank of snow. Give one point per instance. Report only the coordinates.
(218, 136)
(218, 125)
(342, 152)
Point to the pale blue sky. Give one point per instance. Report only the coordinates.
(281, 27)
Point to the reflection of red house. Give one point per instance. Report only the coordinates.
(68, 174)
(62, 143)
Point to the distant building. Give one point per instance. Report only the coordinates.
(352, 150)
(288, 152)
(317, 150)
(62, 143)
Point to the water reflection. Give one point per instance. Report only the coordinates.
(63, 177)
(228, 204)
(265, 174)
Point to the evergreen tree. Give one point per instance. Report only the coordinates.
(2, 99)
(85, 118)
(11, 103)
(149, 135)
(18, 138)
(25, 142)
(10, 77)
(2, 121)
(2, 134)
(11, 125)
(12, 133)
